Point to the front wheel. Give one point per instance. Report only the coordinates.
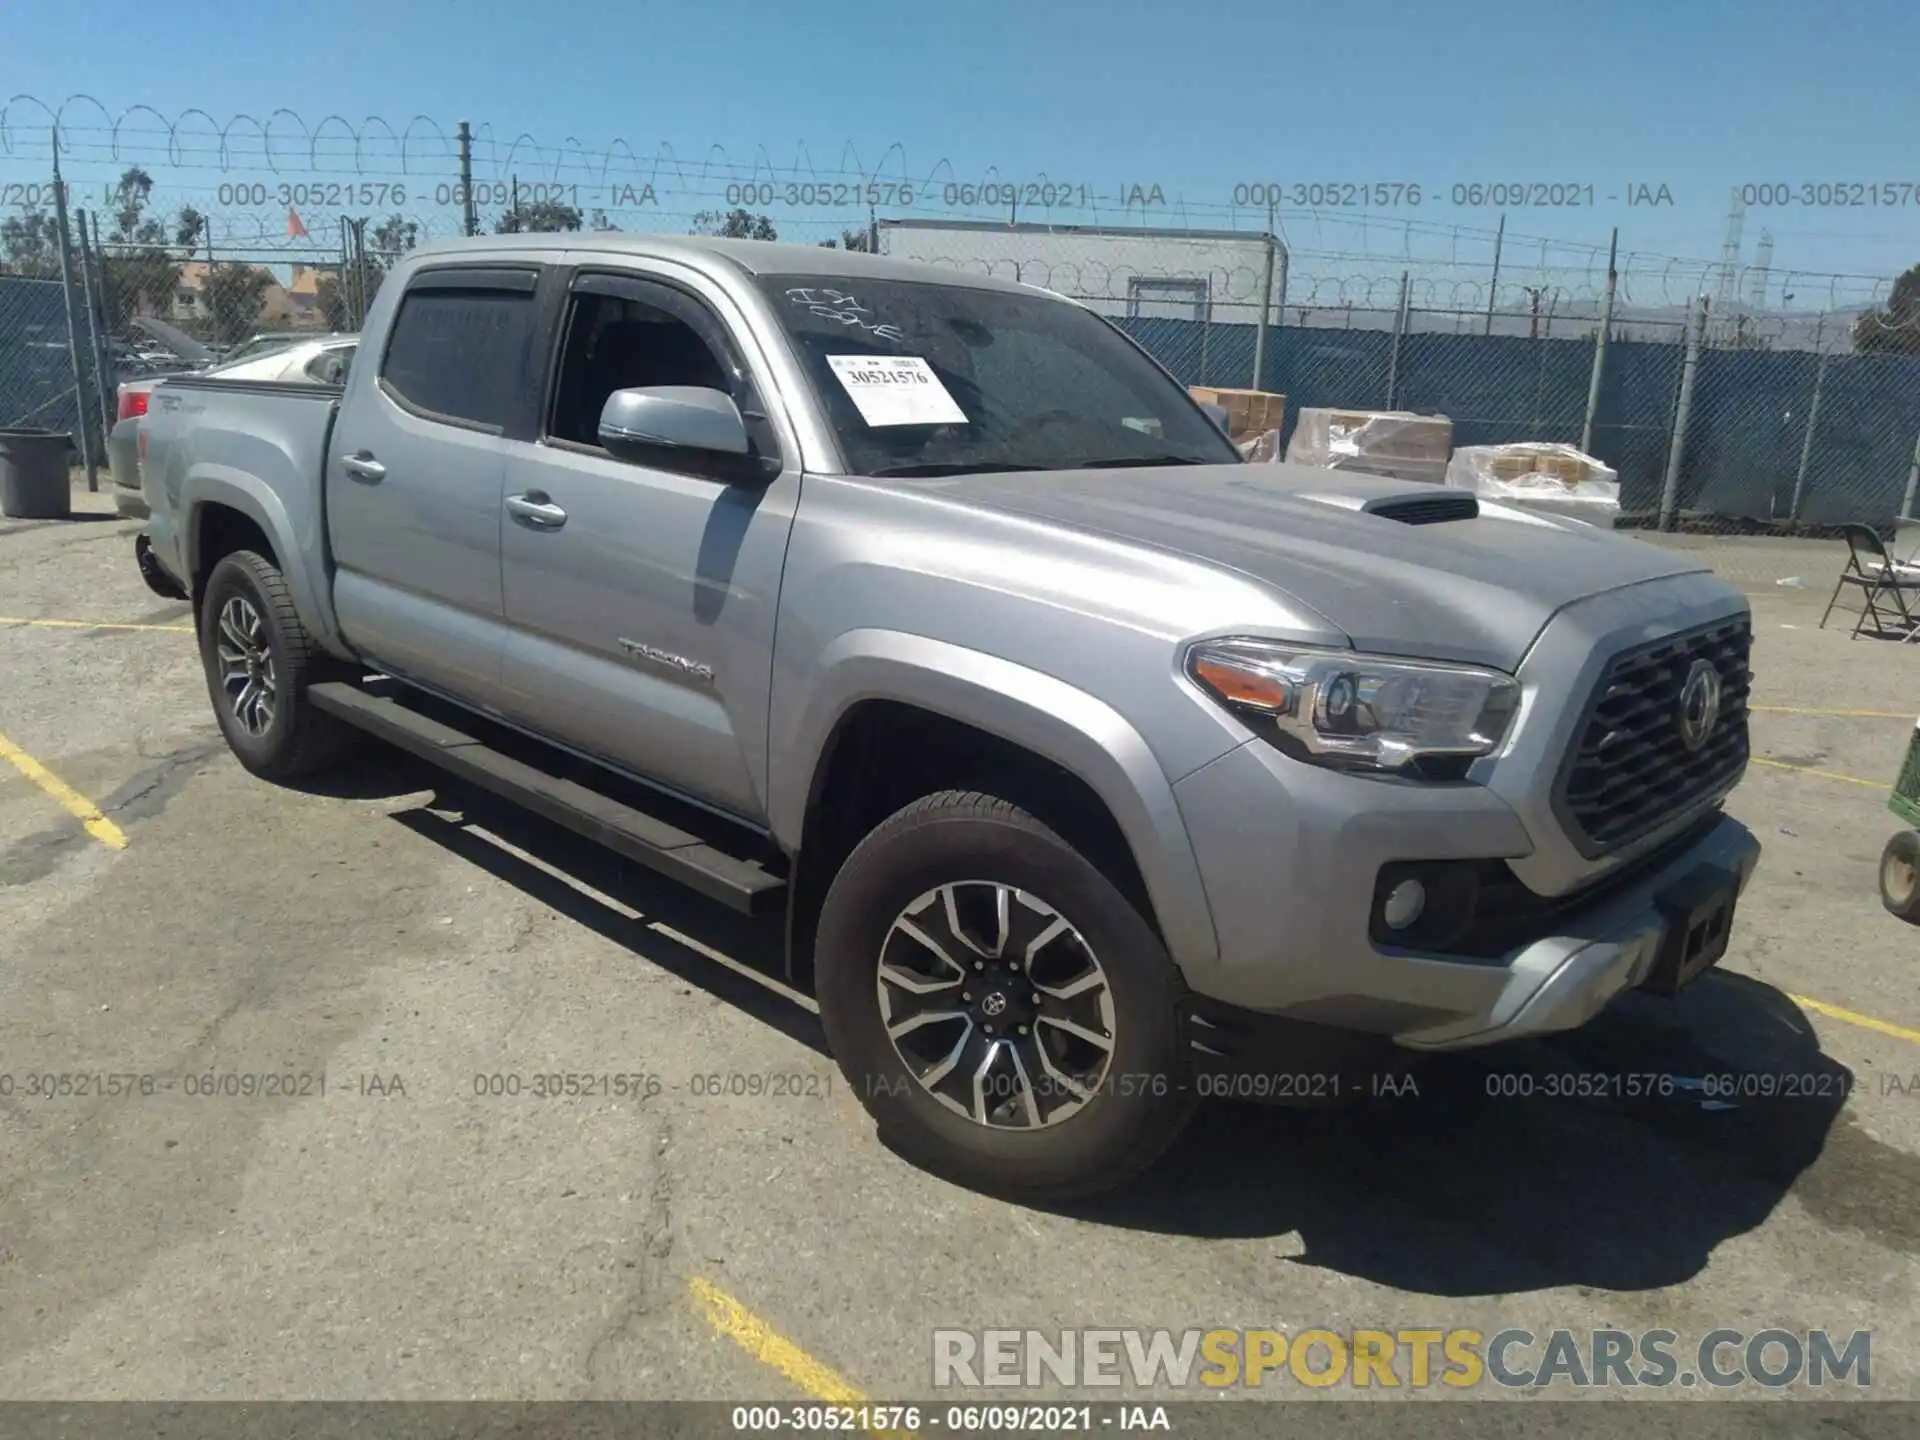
(1900, 876)
(1003, 1012)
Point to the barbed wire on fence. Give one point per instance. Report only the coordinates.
(1342, 257)
(1805, 410)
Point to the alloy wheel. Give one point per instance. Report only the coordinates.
(996, 1005)
(246, 665)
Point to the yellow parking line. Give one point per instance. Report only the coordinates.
(730, 1318)
(94, 625)
(1823, 774)
(1860, 714)
(70, 799)
(1854, 1017)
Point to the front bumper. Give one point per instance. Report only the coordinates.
(1289, 855)
(1562, 981)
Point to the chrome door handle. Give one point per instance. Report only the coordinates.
(536, 509)
(362, 466)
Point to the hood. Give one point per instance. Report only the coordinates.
(1477, 590)
(178, 341)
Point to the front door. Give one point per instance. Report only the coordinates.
(640, 597)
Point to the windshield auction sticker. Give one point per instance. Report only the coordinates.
(895, 390)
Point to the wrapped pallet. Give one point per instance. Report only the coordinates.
(1548, 479)
(1396, 443)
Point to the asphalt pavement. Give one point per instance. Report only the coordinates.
(317, 1138)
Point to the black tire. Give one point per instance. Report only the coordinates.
(1139, 1103)
(297, 739)
(1900, 876)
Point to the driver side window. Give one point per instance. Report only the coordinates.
(617, 343)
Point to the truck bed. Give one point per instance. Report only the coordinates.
(259, 447)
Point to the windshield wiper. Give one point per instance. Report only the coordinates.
(1122, 461)
(950, 467)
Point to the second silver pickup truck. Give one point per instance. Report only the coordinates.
(1087, 764)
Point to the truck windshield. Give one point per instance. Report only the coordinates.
(929, 379)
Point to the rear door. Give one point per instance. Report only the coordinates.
(641, 596)
(416, 470)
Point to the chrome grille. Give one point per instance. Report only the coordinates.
(1629, 770)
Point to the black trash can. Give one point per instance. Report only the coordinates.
(33, 475)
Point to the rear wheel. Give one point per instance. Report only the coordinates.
(259, 660)
(1900, 876)
(1005, 1015)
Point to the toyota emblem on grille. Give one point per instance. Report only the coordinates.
(1699, 704)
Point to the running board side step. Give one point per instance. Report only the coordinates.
(739, 884)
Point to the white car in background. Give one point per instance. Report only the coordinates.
(322, 360)
(319, 361)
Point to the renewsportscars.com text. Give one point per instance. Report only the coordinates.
(1411, 1358)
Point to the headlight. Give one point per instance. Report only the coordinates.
(1353, 711)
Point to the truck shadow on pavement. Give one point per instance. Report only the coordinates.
(1617, 1157)
(552, 865)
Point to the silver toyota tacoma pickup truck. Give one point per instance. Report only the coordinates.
(1091, 769)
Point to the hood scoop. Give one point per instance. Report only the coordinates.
(1429, 505)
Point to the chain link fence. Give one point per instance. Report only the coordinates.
(1741, 416)
(51, 366)
(121, 311)
(36, 367)
(1772, 441)
(1742, 423)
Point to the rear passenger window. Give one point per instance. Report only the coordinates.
(460, 355)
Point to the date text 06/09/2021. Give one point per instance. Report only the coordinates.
(1466, 195)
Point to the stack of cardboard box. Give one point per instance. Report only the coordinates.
(1250, 413)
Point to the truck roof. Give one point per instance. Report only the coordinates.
(756, 257)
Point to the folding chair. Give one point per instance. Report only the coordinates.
(1882, 581)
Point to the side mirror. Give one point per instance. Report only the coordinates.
(1218, 414)
(672, 417)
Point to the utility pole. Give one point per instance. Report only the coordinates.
(100, 286)
(1266, 308)
(1600, 345)
(346, 274)
(85, 421)
(1493, 290)
(1676, 448)
(470, 217)
(1806, 442)
(1400, 317)
(360, 271)
(101, 369)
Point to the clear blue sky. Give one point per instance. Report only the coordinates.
(1196, 99)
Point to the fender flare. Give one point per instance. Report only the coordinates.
(1038, 712)
(302, 556)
